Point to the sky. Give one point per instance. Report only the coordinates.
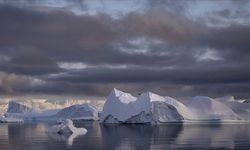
(85, 48)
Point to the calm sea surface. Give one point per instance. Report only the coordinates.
(33, 136)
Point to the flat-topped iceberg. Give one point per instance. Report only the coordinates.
(15, 113)
(17, 110)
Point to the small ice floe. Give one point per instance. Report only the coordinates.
(4, 119)
(65, 130)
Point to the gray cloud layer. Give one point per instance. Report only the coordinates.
(156, 48)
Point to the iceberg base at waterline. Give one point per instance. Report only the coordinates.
(4, 119)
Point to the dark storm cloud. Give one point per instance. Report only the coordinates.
(179, 76)
(10, 83)
(90, 38)
(162, 25)
(179, 6)
(234, 37)
(29, 61)
(158, 48)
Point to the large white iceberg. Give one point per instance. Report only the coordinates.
(118, 106)
(151, 108)
(122, 107)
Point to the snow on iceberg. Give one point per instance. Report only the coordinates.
(158, 108)
(151, 108)
(118, 107)
(206, 108)
(182, 109)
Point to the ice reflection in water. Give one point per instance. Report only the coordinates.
(30, 136)
(69, 138)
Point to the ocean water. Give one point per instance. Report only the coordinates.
(34, 136)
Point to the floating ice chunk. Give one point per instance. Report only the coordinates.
(65, 130)
(67, 127)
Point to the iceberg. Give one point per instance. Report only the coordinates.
(21, 110)
(206, 108)
(118, 107)
(42, 107)
(66, 130)
(240, 108)
(67, 127)
(78, 112)
(121, 107)
(15, 113)
(158, 109)
(17, 110)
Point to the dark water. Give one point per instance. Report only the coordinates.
(33, 136)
